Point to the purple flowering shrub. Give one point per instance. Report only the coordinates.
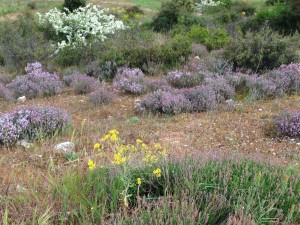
(222, 88)
(101, 96)
(261, 87)
(83, 84)
(36, 82)
(166, 102)
(286, 78)
(183, 79)
(202, 98)
(158, 84)
(31, 123)
(49, 84)
(130, 81)
(23, 86)
(287, 125)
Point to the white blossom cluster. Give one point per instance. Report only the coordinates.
(77, 27)
(206, 3)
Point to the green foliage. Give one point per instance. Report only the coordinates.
(21, 42)
(185, 5)
(74, 4)
(212, 39)
(167, 17)
(279, 17)
(260, 51)
(210, 192)
(133, 11)
(144, 47)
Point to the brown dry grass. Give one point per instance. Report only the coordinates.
(221, 132)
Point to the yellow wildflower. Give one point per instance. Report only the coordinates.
(144, 146)
(139, 141)
(114, 138)
(91, 165)
(157, 172)
(126, 16)
(139, 181)
(118, 159)
(97, 146)
(157, 146)
(105, 138)
(112, 132)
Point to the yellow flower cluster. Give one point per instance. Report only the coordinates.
(91, 165)
(119, 159)
(157, 172)
(139, 181)
(111, 136)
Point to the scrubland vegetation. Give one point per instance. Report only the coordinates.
(150, 112)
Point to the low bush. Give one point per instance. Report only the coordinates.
(182, 79)
(202, 98)
(130, 81)
(212, 39)
(167, 102)
(81, 83)
(260, 51)
(221, 87)
(32, 123)
(101, 96)
(36, 82)
(287, 125)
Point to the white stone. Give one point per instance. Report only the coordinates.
(65, 147)
(21, 99)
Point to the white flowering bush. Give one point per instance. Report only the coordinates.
(76, 28)
(200, 7)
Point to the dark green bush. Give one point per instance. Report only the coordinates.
(167, 17)
(279, 17)
(74, 4)
(21, 42)
(134, 10)
(260, 51)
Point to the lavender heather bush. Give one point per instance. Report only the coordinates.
(166, 102)
(194, 65)
(238, 81)
(36, 82)
(222, 88)
(23, 86)
(32, 123)
(202, 98)
(83, 84)
(287, 124)
(101, 96)
(157, 84)
(49, 84)
(286, 78)
(130, 81)
(261, 87)
(182, 79)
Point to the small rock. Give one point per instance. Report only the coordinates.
(230, 104)
(137, 105)
(260, 110)
(197, 57)
(24, 143)
(21, 99)
(65, 147)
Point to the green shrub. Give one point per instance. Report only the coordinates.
(167, 17)
(279, 17)
(185, 5)
(74, 4)
(211, 39)
(133, 11)
(260, 51)
(21, 42)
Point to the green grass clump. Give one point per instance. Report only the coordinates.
(189, 192)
